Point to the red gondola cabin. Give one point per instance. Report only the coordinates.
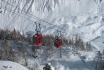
(58, 43)
(37, 40)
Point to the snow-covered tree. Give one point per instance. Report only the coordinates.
(98, 61)
(48, 42)
(7, 51)
(88, 47)
(103, 60)
(71, 42)
(79, 45)
(23, 52)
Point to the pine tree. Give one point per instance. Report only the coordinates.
(47, 67)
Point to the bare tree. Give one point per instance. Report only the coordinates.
(7, 52)
(5, 49)
(71, 42)
(48, 43)
(29, 39)
(103, 60)
(98, 61)
(23, 51)
(13, 33)
(65, 42)
(1, 53)
(88, 46)
(11, 54)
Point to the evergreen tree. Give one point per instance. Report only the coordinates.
(47, 67)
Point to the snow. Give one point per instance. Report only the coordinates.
(69, 61)
(73, 16)
(85, 17)
(8, 65)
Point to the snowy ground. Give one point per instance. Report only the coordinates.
(8, 65)
(71, 61)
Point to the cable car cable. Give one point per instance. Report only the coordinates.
(34, 21)
(34, 16)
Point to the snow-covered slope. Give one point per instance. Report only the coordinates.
(8, 65)
(85, 17)
(69, 61)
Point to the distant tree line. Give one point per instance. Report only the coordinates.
(11, 35)
(8, 51)
(13, 51)
(76, 43)
(48, 40)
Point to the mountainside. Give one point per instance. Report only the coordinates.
(83, 17)
(68, 16)
(71, 17)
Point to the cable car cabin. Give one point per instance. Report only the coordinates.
(37, 40)
(58, 43)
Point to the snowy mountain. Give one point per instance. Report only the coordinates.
(85, 18)
(82, 17)
(68, 16)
